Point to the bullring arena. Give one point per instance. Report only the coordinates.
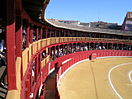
(43, 58)
(104, 78)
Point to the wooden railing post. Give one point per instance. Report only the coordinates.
(10, 40)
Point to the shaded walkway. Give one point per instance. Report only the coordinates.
(50, 88)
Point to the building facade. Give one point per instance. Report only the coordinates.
(127, 24)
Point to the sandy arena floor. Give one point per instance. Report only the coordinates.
(109, 78)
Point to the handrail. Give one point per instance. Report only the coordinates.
(25, 59)
(45, 61)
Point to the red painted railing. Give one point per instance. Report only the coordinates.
(62, 63)
(65, 62)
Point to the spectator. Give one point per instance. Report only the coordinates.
(85, 48)
(100, 48)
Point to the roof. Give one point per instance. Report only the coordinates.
(88, 29)
(35, 8)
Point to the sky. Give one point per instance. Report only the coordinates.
(113, 11)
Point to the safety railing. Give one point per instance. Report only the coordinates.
(25, 60)
(35, 47)
(45, 61)
(79, 56)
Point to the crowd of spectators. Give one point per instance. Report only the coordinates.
(61, 50)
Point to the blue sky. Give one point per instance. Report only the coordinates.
(89, 10)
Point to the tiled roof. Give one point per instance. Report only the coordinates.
(87, 29)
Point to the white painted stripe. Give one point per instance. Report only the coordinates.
(40, 89)
(109, 78)
(66, 61)
(51, 70)
(129, 75)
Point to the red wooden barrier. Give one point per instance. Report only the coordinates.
(63, 63)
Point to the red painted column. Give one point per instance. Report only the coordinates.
(51, 31)
(31, 35)
(46, 32)
(112, 46)
(68, 33)
(19, 36)
(107, 46)
(85, 36)
(122, 46)
(37, 34)
(117, 45)
(77, 34)
(89, 46)
(75, 47)
(39, 63)
(27, 36)
(49, 51)
(49, 34)
(41, 33)
(95, 35)
(55, 35)
(54, 52)
(10, 39)
(36, 68)
(72, 32)
(55, 32)
(59, 33)
(63, 49)
(58, 50)
(79, 46)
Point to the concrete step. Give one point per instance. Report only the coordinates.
(3, 91)
(3, 82)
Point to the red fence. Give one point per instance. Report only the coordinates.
(63, 64)
(76, 57)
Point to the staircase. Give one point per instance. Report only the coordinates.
(3, 82)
